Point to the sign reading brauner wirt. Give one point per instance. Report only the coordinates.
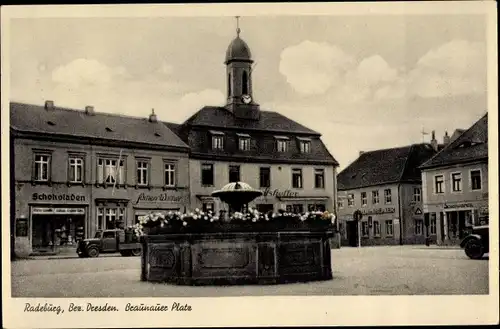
(163, 197)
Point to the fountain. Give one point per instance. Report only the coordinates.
(249, 247)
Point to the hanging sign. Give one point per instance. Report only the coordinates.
(59, 211)
(418, 211)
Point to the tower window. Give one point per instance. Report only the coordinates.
(244, 83)
(229, 91)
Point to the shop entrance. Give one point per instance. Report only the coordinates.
(53, 231)
(459, 222)
(352, 233)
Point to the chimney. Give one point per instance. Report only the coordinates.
(434, 142)
(446, 138)
(89, 110)
(152, 116)
(49, 105)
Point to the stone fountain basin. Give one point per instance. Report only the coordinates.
(228, 258)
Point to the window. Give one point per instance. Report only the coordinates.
(319, 178)
(234, 174)
(340, 203)
(375, 197)
(389, 230)
(169, 169)
(208, 206)
(456, 182)
(475, 179)
(417, 194)
(108, 172)
(439, 184)
(364, 228)
(207, 174)
(364, 199)
(142, 173)
(108, 235)
(75, 169)
(316, 207)
(42, 167)
(388, 196)
(244, 83)
(419, 227)
(297, 178)
(265, 207)
(108, 218)
(298, 208)
(376, 228)
(289, 208)
(281, 143)
(305, 146)
(350, 200)
(229, 92)
(218, 142)
(244, 143)
(265, 177)
(433, 224)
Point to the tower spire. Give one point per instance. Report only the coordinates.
(238, 30)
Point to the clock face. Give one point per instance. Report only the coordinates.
(246, 99)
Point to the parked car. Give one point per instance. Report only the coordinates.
(110, 241)
(476, 243)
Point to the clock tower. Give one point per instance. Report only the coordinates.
(239, 79)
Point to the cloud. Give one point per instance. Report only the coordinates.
(312, 68)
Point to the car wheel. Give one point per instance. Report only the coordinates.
(93, 252)
(474, 249)
(136, 252)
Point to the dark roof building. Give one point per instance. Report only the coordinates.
(387, 166)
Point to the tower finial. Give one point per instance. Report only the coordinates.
(238, 30)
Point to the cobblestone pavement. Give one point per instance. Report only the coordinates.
(395, 270)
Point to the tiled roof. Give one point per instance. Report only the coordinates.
(395, 165)
(73, 123)
(263, 133)
(471, 145)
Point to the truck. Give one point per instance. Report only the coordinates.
(110, 241)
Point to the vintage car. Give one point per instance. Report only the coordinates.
(476, 243)
(110, 241)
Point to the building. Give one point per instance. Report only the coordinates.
(385, 186)
(241, 142)
(76, 171)
(455, 184)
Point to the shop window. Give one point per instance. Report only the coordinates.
(316, 207)
(169, 174)
(142, 173)
(364, 229)
(419, 227)
(375, 197)
(388, 196)
(417, 194)
(234, 174)
(207, 174)
(75, 172)
(265, 207)
(265, 177)
(438, 184)
(376, 228)
(289, 208)
(475, 178)
(297, 178)
(364, 199)
(42, 167)
(432, 226)
(109, 172)
(319, 178)
(207, 207)
(298, 208)
(109, 218)
(350, 200)
(456, 182)
(389, 229)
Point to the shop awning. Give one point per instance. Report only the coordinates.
(303, 198)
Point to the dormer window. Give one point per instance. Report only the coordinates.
(281, 143)
(305, 145)
(217, 140)
(244, 142)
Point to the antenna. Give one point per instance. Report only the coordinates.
(423, 132)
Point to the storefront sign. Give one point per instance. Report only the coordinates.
(378, 211)
(59, 211)
(458, 205)
(57, 197)
(279, 194)
(164, 197)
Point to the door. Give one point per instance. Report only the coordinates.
(109, 241)
(352, 233)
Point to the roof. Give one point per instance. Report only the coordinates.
(76, 123)
(212, 116)
(471, 145)
(238, 50)
(387, 166)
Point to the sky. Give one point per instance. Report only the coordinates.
(363, 82)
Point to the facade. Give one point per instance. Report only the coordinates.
(80, 171)
(385, 186)
(241, 142)
(455, 185)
